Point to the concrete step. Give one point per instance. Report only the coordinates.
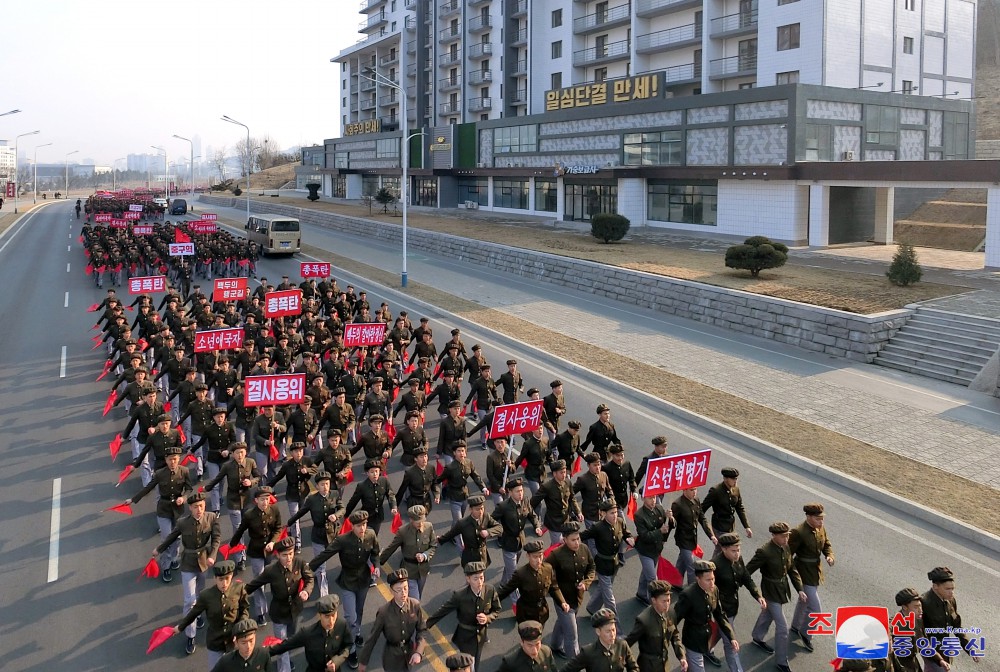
(934, 332)
(891, 364)
(985, 323)
(954, 373)
(915, 341)
(942, 356)
(950, 328)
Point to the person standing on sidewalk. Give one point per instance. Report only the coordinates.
(810, 548)
(774, 561)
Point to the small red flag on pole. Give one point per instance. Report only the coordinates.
(350, 476)
(548, 551)
(180, 431)
(272, 641)
(698, 552)
(125, 508)
(115, 446)
(665, 571)
(397, 522)
(159, 636)
(107, 367)
(109, 403)
(630, 509)
(93, 308)
(346, 527)
(188, 459)
(151, 570)
(125, 474)
(576, 465)
(439, 469)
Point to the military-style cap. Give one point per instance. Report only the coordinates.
(449, 373)
(702, 566)
(555, 383)
(459, 661)
(573, 424)
(172, 450)
(571, 527)
(474, 568)
(148, 389)
(477, 348)
(224, 410)
(338, 390)
(377, 381)
(328, 604)
(425, 320)
(419, 450)
(515, 482)
(659, 440)
(398, 576)
(906, 595)
(729, 539)
(358, 517)
(196, 497)
(730, 472)
(529, 631)
(452, 346)
(224, 568)
(323, 476)
(460, 443)
(297, 445)
(659, 587)
(163, 418)
(456, 332)
(239, 445)
(410, 415)
(200, 387)
(333, 432)
(286, 544)
(131, 341)
(602, 407)
(559, 465)
(778, 528)
(485, 367)
(377, 417)
(417, 512)
(142, 369)
(616, 449)
(412, 382)
(534, 546)
(857, 665)
(607, 505)
(940, 575)
(263, 490)
(244, 627)
(602, 618)
(813, 509)
(373, 463)
(533, 391)
(455, 404)
(511, 361)
(224, 359)
(590, 458)
(477, 500)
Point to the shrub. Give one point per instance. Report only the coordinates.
(237, 191)
(608, 226)
(313, 191)
(385, 198)
(904, 269)
(756, 254)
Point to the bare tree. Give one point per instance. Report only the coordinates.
(248, 155)
(218, 161)
(268, 154)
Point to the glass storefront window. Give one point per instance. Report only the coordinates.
(546, 196)
(425, 192)
(682, 203)
(474, 189)
(339, 186)
(664, 148)
(515, 139)
(586, 200)
(369, 185)
(510, 194)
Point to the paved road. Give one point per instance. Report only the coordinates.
(96, 616)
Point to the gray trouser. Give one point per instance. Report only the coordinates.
(282, 631)
(696, 661)
(647, 574)
(565, 635)
(172, 553)
(259, 599)
(510, 559)
(555, 537)
(800, 617)
(532, 486)
(295, 532)
(603, 595)
(458, 511)
(732, 656)
(235, 518)
(213, 658)
(354, 608)
(486, 428)
(192, 583)
(774, 614)
(211, 471)
(685, 564)
(320, 572)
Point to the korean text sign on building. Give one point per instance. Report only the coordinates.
(285, 302)
(279, 390)
(147, 284)
(230, 289)
(517, 418)
(676, 472)
(218, 339)
(356, 335)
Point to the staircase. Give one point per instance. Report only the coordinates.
(943, 345)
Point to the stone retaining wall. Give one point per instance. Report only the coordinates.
(988, 149)
(834, 332)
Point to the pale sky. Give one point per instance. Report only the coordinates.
(112, 77)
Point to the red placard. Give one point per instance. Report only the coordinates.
(676, 472)
(133, 215)
(364, 334)
(102, 217)
(147, 284)
(285, 302)
(314, 270)
(203, 227)
(209, 216)
(279, 390)
(218, 339)
(230, 289)
(10, 190)
(518, 418)
(142, 229)
(119, 223)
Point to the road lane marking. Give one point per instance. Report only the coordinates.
(67, 267)
(69, 248)
(54, 528)
(66, 301)
(62, 363)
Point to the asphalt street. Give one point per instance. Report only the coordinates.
(78, 604)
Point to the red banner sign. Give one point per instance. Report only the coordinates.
(181, 249)
(279, 390)
(517, 418)
(10, 189)
(314, 270)
(209, 216)
(147, 284)
(230, 289)
(364, 334)
(102, 217)
(132, 215)
(119, 223)
(676, 472)
(285, 302)
(218, 339)
(203, 227)
(142, 229)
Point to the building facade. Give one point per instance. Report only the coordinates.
(7, 161)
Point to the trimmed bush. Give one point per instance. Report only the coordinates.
(904, 269)
(237, 191)
(608, 226)
(756, 254)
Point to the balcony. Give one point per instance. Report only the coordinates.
(411, 114)
(410, 4)
(614, 16)
(429, 64)
(411, 47)
(450, 83)
(477, 77)
(519, 38)
(519, 68)
(481, 50)
(672, 38)
(480, 24)
(367, 84)
(354, 108)
(410, 23)
(391, 99)
(411, 70)
(449, 58)
(372, 23)
(449, 8)
(519, 9)
(368, 104)
(733, 25)
(520, 97)
(369, 4)
(475, 3)
(688, 73)
(451, 107)
(450, 34)
(481, 104)
(648, 8)
(733, 66)
(390, 58)
(614, 51)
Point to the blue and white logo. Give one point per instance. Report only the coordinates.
(862, 633)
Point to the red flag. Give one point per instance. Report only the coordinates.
(698, 552)
(410, 369)
(284, 533)
(142, 344)
(713, 635)
(167, 406)
(548, 551)
(272, 641)
(159, 636)
(390, 431)
(97, 343)
(272, 500)
(302, 585)
(513, 608)
(475, 406)
(151, 570)
(836, 664)
(350, 476)
(128, 308)
(436, 371)
(125, 508)
(189, 459)
(464, 409)
(274, 453)
(395, 393)
(225, 551)
(96, 326)
(180, 431)
(181, 237)
(576, 465)
(107, 367)
(125, 473)
(88, 269)
(115, 446)
(109, 403)
(93, 307)
(631, 508)
(96, 339)
(346, 527)
(665, 571)
(439, 469)
(427, 390)
(79, 239)
(397, 522)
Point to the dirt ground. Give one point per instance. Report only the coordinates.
(852, 292)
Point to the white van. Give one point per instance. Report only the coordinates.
(275, 234)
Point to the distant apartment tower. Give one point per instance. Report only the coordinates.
(471, 60)
(6, 160)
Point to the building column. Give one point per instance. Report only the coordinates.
(560, 212)
(885, 201)
(354, 186)
(992, 228)
(632, 200)
(819, 215)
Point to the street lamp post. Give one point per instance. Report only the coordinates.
(66, 160)
(17, 186)
(11, 112)
(114, 181)
(191, 144)
(166, 172)
(34, 182)
(249, 158)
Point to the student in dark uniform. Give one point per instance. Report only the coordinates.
(411, 437)
(553, 408)
(659, 450)
(535, 457)
(220, 607)
(730, 575)
(325, 510)
(774, 561)
(652, 527)
(401, 622)
(941, 610)
(608, 653)
(296, 470)
(608, 534)
(241, 476)
(247, 655)
(688, 515)
(326, 642)
(726, 503)
(535, 581)
(371, 494)
(451, 432)
(262, 523)
(173, 482)
(574, 570)
(698, 606)
(810, 547)
(601, 434)
(417, 543)
(476, 606)
(533, 656)
(655, 632)
(419, 484)
(511, 382)
(218, 436)
(457, 475)
(513, 514)
(475, 530)
(621, 476)
(560, 505)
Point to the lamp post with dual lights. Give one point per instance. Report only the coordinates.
(191, 145)
(166, 172)
(17, 186)
(11, 112)
(66, 162)
(230, 120)
(34, 182)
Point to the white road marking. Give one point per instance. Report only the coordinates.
(66, 301)
(67, 267)
(54, 528)
(69, 248)
(62, 363)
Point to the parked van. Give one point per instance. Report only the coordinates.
(178, 206)
(275, 234)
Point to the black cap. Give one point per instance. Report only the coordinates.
(906, 595)
(358, 517)
(398, 576)
(602, 618)
(476, 500)
(244, 627)
(534, 546)
(196, 497)
(224, 568)
(730, 472)
(474, 568)
(940, 575)
(529, 631)
(659, 587)
(172, 450)
(459, 661)
(328, 604)
(555, 383)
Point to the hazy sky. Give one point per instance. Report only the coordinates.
(112, 77)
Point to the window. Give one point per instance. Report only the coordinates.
(510, 194)
(393, 6)
(586, 200)
(557, 49)
(662, 148)
(600, 74)
(515, 139)
(907, 45)
(425, 192)
(788, 37)
(786, 2)
(343, 102)
(556, 18)
(908, 87)
(473, 189)
(881, 124)
(546, 195)
(340, 186)
(387, 149)
(601, 12)
(600, 46)
(819, 143)
(746, 85)
(682, 203)
(790, 77)
(393, 28)
(910, 5)
(556, 80)
(341, 160)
